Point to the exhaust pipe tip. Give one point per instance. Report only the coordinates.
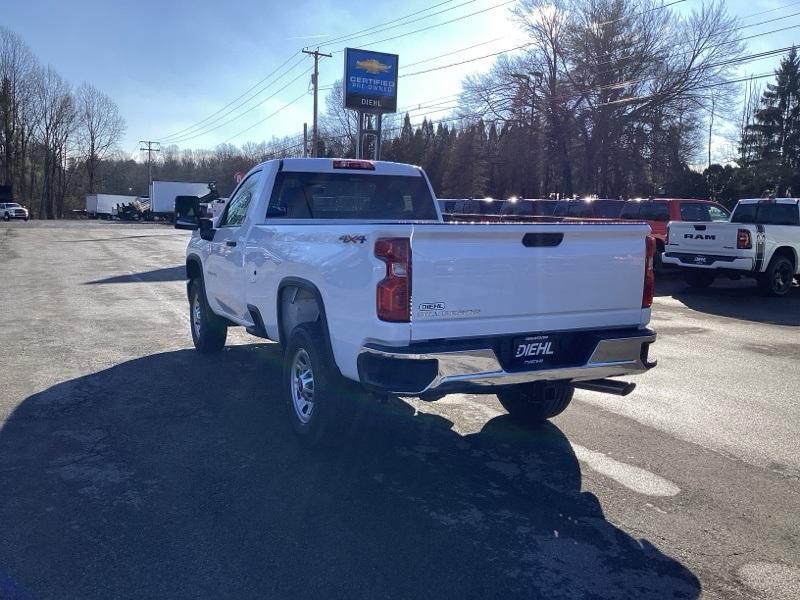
(607, 386)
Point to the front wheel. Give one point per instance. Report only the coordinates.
(534, 403)
(319, 400)
(208, 330)
(778, 278)
(699, 279)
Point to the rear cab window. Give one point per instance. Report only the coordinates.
(767, 213)
(307, 195)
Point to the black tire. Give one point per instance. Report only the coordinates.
(534, 403)
(26, 219)
(658, 263)
(699, 279)
(777, 280)
(6, 217)
(320, 413)
(208, 330)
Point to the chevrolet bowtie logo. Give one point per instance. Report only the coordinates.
(372, 66)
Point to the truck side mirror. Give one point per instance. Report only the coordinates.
(187, 212)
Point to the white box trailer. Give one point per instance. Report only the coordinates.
(163, 193)
(105, 205)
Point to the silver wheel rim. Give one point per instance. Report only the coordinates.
(301, 381)
(197, 316)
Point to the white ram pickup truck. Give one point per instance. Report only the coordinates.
(762, 240)
(348, 265)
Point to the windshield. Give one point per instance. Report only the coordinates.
(299, 195)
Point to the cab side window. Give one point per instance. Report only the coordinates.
(694, 211)
(236, 211)
(654, 211)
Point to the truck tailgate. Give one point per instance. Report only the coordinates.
(699, 238)
(515, 278)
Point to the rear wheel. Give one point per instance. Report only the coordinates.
(698, 279)
(6, 217)
(778, 278)
(208, 330)
(319, 401)
(534, 403)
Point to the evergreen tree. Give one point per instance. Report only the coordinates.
(773, 141)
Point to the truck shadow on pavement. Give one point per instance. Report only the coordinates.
(734, 299)
(177, 273)
(177, 476)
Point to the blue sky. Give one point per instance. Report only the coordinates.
(170, 63)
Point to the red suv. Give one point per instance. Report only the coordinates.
(657, 212)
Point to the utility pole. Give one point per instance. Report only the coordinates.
(315, 81)
(305, 140)
(149, 147)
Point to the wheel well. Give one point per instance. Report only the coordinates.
(788, 253)
(296, 305)
(299, 301)
(193, 269)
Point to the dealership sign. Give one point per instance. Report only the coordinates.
(370, 81)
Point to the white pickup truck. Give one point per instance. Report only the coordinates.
(348, 265)
(762, 240)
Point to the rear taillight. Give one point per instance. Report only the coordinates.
(743, 240)
(649, 273)
(394, 290)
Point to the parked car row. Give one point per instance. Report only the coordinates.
(656, 212)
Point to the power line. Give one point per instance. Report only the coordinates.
(429, 27)
(422, 18)
(367, 29)
(257, 123)
(196, 125)
(239, 116)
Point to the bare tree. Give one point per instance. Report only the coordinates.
(17, 73)
(339, 126)
(54, 128)
(100, 128)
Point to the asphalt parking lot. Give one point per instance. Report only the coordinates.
(132, 467)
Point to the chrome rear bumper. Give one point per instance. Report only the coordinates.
(478, 369)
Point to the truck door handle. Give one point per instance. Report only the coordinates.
(542, 240)
(230, 243)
